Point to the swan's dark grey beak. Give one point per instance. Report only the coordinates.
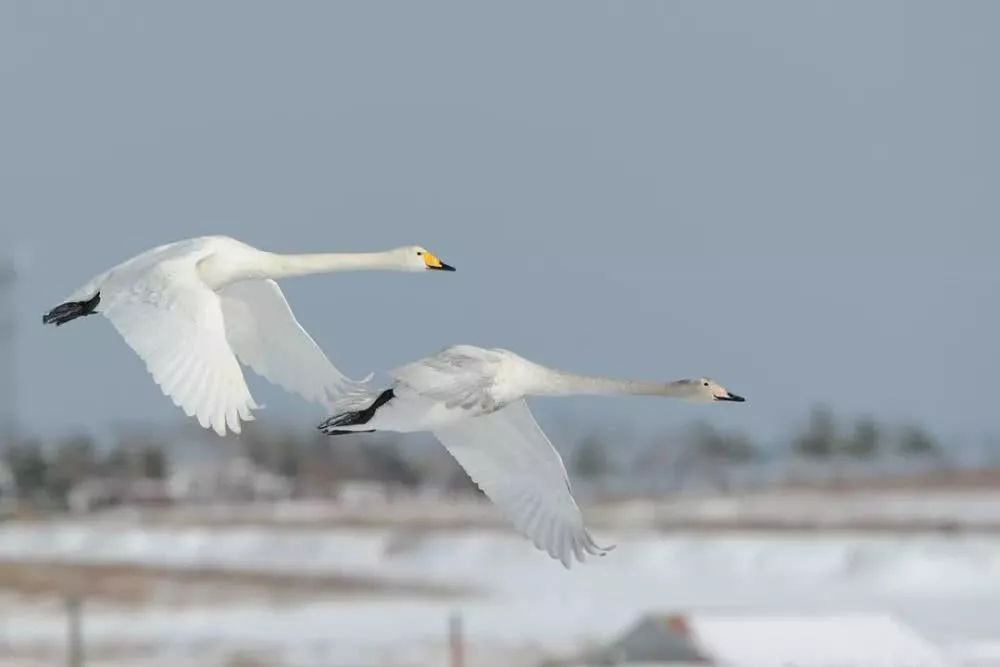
(730, 396)
(442, 267)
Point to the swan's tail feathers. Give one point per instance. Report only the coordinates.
(340, 424)
(71, 310)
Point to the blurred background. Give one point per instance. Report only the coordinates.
(797, 199)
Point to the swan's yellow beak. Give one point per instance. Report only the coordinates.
(432, 262)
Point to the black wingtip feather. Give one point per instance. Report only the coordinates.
(69, 311)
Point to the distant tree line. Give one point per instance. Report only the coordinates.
(317, 463)
(705, 452)
(824, 438)
(45, 472)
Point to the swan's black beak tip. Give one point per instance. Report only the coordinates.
(730, 396)
(443, 267)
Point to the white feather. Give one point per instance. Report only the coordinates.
(181, 336)
(509, 457)
(264, 334)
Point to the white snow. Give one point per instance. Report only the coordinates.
(901, 509)
(865, 640)
(945, 587)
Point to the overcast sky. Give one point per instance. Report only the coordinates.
(798, 199)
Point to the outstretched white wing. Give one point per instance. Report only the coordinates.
(460, 376)
(509, 457)
(265, 336)
(179, 332)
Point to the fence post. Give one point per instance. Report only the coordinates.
(456, 641)
(74, 629)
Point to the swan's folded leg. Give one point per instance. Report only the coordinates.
(335, 424)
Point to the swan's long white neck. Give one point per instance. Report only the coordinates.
(218, 271)
(551, 382)
(290, 266)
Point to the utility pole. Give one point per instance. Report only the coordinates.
(456, 641)
(74, 632)
(8, 353)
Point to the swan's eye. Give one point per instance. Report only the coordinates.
(705, 383)
(419, 253)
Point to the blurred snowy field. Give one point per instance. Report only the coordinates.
(383, 591)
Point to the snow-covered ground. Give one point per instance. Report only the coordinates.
(897, 509)
(972, 509)
(520, 606)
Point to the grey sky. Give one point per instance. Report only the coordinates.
(798, 199)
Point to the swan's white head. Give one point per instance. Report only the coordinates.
(708, 390)
(418, 258)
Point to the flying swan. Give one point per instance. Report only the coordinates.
(194, 309)
(473, 400)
